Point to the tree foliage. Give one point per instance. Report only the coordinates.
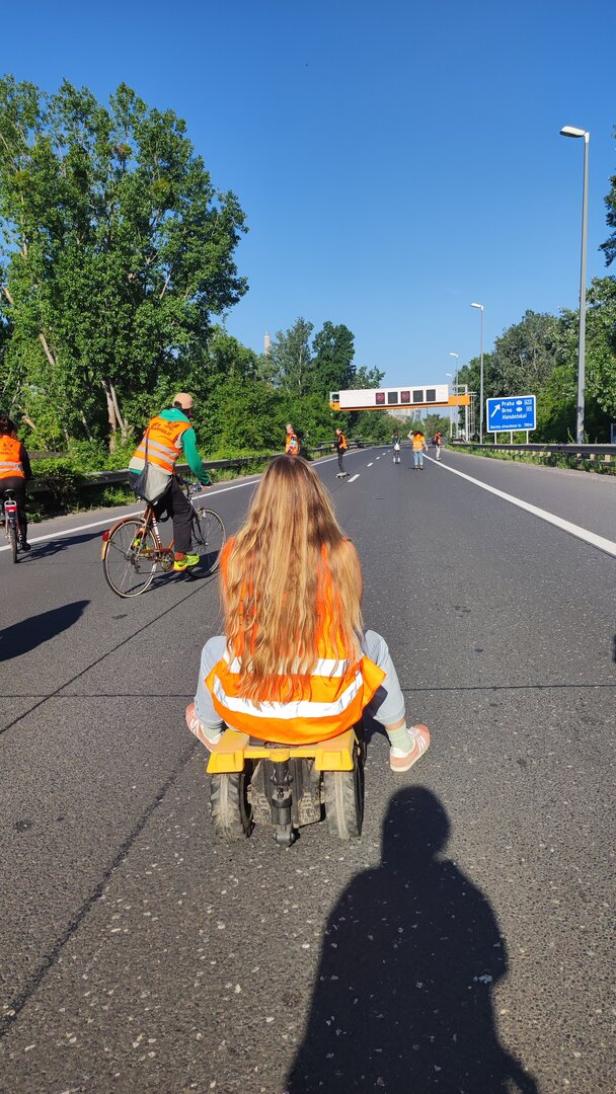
(538, 356)
(118, 250)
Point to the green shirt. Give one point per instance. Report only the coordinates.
(189, 444)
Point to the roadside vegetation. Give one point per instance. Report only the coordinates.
(599, 464)
(117, 270)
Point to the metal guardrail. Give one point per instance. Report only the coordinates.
(45, 483)
(590, 452)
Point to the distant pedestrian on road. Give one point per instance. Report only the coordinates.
(419, 446)
(291, 441)
(341, 445)
(437, 441)
(396, 443)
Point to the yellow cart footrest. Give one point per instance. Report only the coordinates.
(232, 751)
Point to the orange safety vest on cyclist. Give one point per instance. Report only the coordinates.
(324, 704)
(164, 444)
(11, 466)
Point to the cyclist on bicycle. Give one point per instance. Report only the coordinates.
(14, 473)
(167, 435)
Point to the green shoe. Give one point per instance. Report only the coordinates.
(182, 564)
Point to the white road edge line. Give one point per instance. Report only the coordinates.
(353, 478)
(600, 542)
(138, 512)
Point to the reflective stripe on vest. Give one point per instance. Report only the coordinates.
(11, 466)
(332, 699)
(163, 442)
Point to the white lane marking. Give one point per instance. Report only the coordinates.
(353, 478)
(138, 512)
(369, 464)
(600, 542)
(378, 457)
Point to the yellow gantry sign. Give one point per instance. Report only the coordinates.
(396, 398)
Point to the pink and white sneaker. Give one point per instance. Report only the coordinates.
(207, 737)
(400, 761)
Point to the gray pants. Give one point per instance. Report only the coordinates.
(387, 706)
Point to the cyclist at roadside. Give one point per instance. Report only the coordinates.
(14, 473)
(291, 442)
(168, 435)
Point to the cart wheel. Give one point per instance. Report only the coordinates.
(231, 813)
(343, 797)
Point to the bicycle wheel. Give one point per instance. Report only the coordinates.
(208, 533)
(130, 558)
(12, 534)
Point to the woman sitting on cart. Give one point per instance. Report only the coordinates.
(295, 665)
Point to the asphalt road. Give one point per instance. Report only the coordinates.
(465, 944)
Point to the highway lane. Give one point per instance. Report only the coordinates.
(585, 498)
(127, 931)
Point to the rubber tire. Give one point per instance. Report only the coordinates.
(231, 813)
(343, 797)
(216, 519)
(138, 523)
(13, 541)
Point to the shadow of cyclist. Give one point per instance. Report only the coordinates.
(403, 996)
(32, 632)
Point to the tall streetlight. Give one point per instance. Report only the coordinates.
(450, 376)
(571, 131)
(455, 390)
(481, 310)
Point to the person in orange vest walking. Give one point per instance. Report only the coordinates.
(341, 445)
(291, 442)
(419, 446)
(295, 664)
(14, 473)
(169, 435)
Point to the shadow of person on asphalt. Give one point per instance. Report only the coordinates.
(55, 546)
(403, 996)
(32, 632)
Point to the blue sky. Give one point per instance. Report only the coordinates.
(396, 160)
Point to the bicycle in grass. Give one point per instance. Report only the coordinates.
(133, 551)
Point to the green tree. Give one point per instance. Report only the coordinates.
(609, 247)
(289, 364)
(526, 354)
(332, 366)
(601, 345)
(118, 248)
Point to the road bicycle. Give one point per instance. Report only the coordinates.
(133, 552)
(9, 514)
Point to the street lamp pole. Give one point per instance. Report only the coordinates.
(572, 131)
(455, 391)
(481, 311)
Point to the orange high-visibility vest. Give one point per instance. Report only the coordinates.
(322, 705)
(291, 444)
(164, 444)
(11, 466)
(344, 444)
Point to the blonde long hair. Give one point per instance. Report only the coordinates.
(290, 574)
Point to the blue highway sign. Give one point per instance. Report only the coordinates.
(512, 412)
